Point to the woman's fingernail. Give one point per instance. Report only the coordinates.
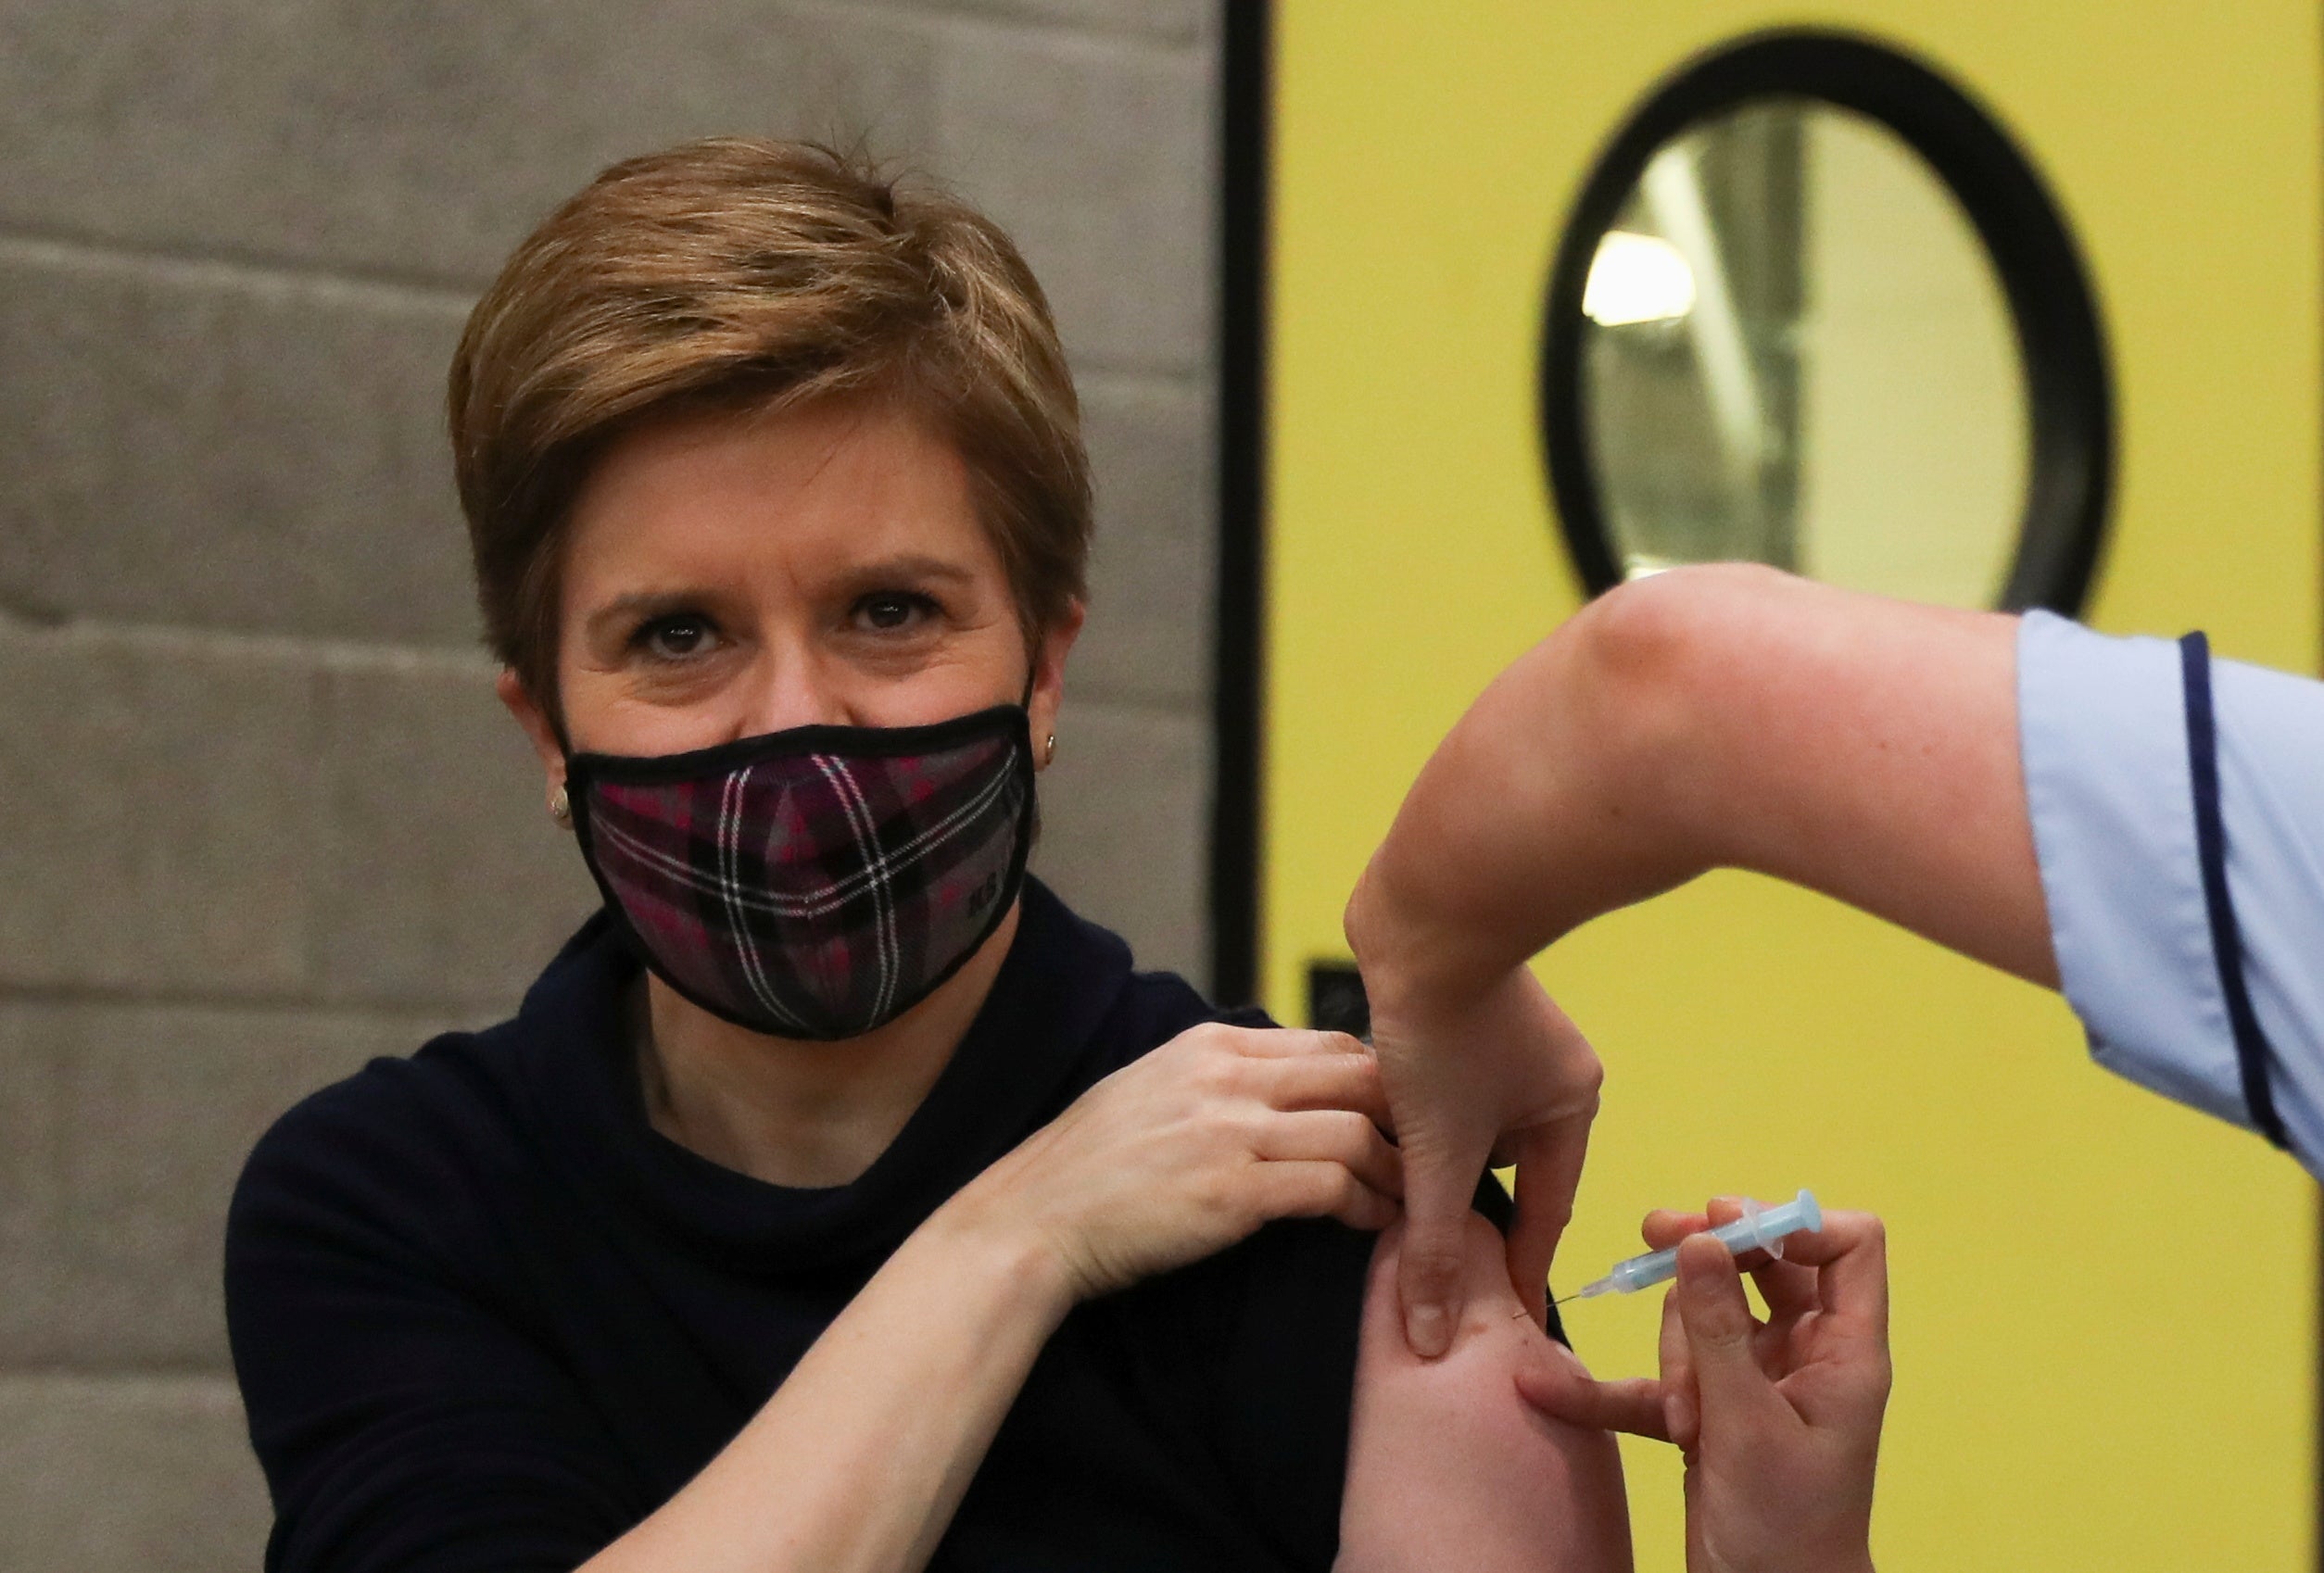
(1424, 1329)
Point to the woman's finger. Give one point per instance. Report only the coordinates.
(1549, 1167)
(1681, 1405)
(1564, 1391)
(1336, 1135)
(1845, 1231)
(1851, 1252)
(1791, 1289)
(1289, 1042)
(1719, 1327)
(1724, 1210)
(1664, 1228)
(1440, 1187)
(1322, 1080)
(1313, 1187)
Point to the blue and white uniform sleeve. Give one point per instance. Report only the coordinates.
(2149, 958)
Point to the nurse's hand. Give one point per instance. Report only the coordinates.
(1779, 1421)
(1190, 1148)
(1474, 1070)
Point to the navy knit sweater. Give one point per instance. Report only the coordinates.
(486, 1318)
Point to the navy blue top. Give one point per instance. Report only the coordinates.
(485, 1318)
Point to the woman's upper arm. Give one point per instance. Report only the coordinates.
(401, 1424)
(1447, 1464)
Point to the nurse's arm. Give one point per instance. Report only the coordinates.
(1709, 717)
(1450, 1466)
(1706, 717)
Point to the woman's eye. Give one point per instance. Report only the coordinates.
(888, 610)
(678, 637)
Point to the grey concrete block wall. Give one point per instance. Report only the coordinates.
(132, 1470)
(126, 1124)
(206, 446)
(264, 818)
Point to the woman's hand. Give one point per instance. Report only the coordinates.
(1171, 1158)
(1779, 1421)
(1193, 1147)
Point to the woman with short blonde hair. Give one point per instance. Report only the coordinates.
(837, 1199)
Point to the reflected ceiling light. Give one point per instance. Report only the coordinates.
(1637, 278)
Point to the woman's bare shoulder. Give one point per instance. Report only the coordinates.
(1446, 1453)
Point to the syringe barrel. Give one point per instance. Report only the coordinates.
(1760, 1229)
(1645, 1272)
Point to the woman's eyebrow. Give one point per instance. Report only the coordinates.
(635, 604)
(903, 567)
(910, 566)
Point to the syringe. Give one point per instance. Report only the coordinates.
(1760, 1229)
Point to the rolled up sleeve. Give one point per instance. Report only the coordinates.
(2104, 733)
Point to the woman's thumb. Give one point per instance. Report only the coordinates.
(1718, 1322)
(1430, 1277)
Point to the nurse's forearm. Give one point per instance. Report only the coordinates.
(1719, 717)
(858, 1461)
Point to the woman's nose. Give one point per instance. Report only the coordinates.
(792, 689)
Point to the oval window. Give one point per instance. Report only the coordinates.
(1813, 309)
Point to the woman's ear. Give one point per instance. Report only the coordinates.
(1048, 686)
(535, 723)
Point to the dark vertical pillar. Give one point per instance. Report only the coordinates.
(1244, 152)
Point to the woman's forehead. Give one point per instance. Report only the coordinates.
(815, 492)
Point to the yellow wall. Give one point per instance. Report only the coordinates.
(2103, 1333)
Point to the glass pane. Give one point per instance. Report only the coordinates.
(1798, 353)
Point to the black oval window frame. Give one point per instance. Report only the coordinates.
(2061, 346)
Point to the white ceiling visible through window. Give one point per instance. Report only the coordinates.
(1637, 278)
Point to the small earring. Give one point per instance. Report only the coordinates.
(1049, 750)
(561, 807)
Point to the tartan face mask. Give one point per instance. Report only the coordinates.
(818, 882)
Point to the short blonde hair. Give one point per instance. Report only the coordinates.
(736, 273)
